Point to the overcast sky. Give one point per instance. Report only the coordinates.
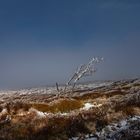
(43, 41)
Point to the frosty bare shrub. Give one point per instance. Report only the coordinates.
(82, 71)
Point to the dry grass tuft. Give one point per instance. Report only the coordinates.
(61, 105)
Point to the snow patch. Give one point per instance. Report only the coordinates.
(4, 111)
(88, 106)
(40, 114)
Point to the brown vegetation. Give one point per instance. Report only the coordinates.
(65, 117)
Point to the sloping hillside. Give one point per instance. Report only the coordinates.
(110, 111)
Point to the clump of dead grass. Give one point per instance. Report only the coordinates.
(61, 105)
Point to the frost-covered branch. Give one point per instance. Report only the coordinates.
(83, 70)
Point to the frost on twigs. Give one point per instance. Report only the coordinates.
(82, 71)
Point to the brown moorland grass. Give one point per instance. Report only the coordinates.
(26, 120)
(61, 105)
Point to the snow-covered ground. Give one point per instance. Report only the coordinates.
(52, 90)
(88, 106)
(114, 131)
